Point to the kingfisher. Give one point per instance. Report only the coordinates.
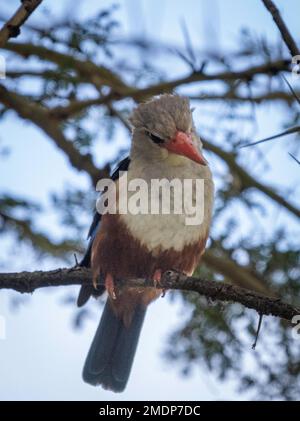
(129, 245)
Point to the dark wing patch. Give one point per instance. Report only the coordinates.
(122, 166)
(87, 290)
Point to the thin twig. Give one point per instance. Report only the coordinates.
(257, 331)
(285, 33)
(276, 136)
(291, 89)
(292, 156)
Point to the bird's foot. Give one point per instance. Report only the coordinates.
(156, 279)
(110, 286)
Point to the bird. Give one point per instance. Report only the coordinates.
(124, 246)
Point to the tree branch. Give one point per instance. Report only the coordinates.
(285, 33)
(144, 93)
(40, 241)
(46, 74)
(27, 282)
(76, 106)
(235, 97)
(100, 75)
(11, 29)
(271, 68)
(86, 69)
(236, 274)
(40, 117)
(247, 180)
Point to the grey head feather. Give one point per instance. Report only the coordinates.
(163, 115)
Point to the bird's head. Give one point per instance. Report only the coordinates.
(163, 127)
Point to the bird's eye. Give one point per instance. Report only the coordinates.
(155, 138)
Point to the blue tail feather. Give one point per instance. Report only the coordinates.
(111, 354)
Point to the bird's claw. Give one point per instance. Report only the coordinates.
(110, 286)
(157, 278)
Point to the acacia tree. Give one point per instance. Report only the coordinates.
(83, 80)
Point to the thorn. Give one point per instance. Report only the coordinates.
(76, 261)
(202, 67)
(292, 156)
(190, 58)
(258, 330)
(291, 89)
(289, 131)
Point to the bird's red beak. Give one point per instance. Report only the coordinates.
(182, 144)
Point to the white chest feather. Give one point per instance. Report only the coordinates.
(187, 220)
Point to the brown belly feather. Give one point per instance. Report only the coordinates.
(115, 251)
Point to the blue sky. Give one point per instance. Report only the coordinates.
(43, 356)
